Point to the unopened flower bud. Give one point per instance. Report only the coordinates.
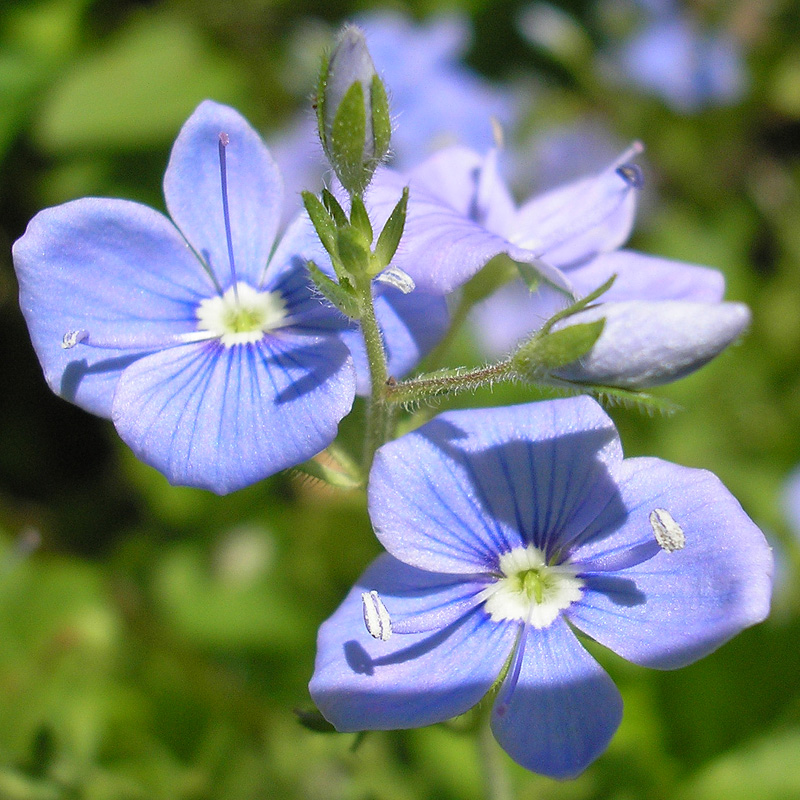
(649, 343)
(353, 111)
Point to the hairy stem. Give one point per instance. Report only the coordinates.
(448, 382)
(379, 414)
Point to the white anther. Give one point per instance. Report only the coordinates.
(397, 278)
(71, 338)
(669, 534)
(376, 617)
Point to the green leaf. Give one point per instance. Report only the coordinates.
(548, 351)
(611, 396)
(338, 293)
(578, 305)
(497, 272)
(334, 209)
(321, 99)
(359, 218)
(529, 274)
(390, 236)
(326, 474)
(322, 222)
(629, 398)
(353, 251)
(138, 90)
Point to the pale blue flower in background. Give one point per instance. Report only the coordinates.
(690, 68)
(505, 528)
(665, 318)
(435, 98)
(461, 214)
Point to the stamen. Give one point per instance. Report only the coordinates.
(498, 134)
(394, 276)
(511, 679)
(145, 341)
(71, 338)
(668, 533)
(600, 199)
(224, 140)
(376, 617)
(632, 175)
(381, 625)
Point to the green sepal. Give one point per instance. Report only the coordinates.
(313, 720)
(531, 277)
(381, 120)
(628, 398)
(617, 396)
(545, 352)
(578, 305)
(334, 209)
(342, 295)
(354, 252)
(359, 218)
(322, 472)
(389, 237)
(497, 272)
(322, 222)
(348, 134)
(322, 85)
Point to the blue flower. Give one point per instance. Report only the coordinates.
(461, 214)
(436, 99)
(664, 318)
(688, 68)
(506, 528)
(199, 336)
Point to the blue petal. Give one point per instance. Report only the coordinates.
(223, 418)
(676, 607)
(470, 485)
(451, 175)
(116, 269)
(412, 324)
(642, 277)
(361, 683)
(564, 709)
(573, 223)
(512, 313)
(436, 98)
(445, 242)
(646, 343)
(255, 192)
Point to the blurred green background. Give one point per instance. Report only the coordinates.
(158, 640)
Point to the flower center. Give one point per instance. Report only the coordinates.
(242, 315)
(530, 589)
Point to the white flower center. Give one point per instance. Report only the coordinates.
(531, 590)
(241, 316)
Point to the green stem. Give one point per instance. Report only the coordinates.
(378, 409)
(449, 382)
(495, 776)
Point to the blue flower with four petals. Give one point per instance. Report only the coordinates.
(506, 528)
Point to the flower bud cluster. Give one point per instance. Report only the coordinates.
(352, 111)
(348, 241)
